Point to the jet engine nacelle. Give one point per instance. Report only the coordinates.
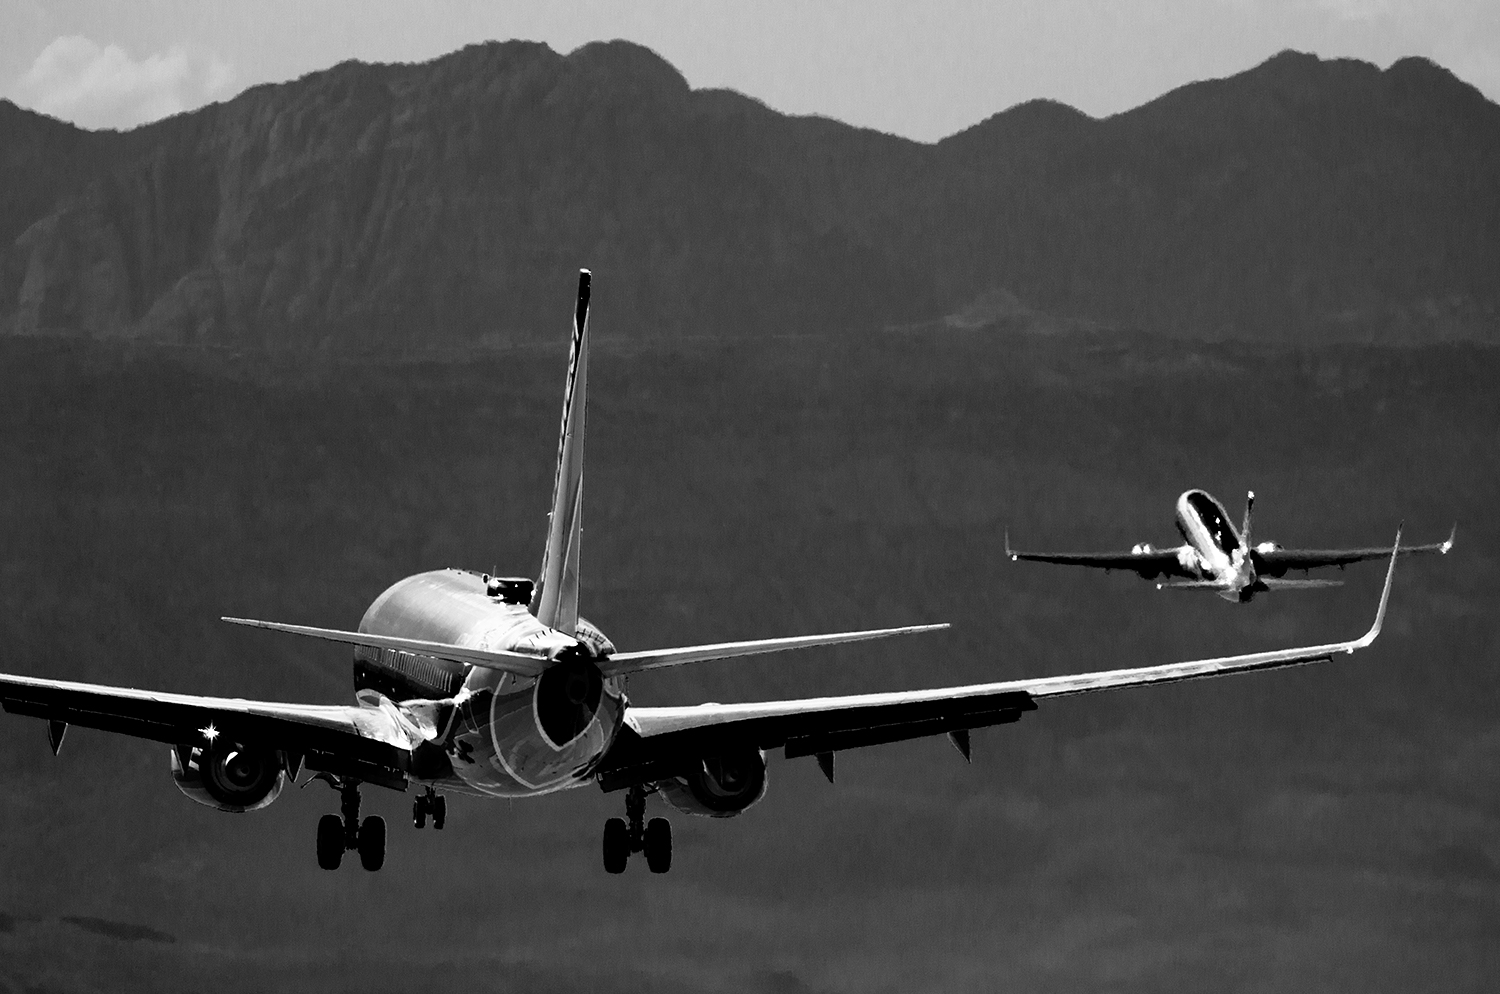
(229, 776)
(719, 786)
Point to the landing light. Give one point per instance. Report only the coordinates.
(209, 732)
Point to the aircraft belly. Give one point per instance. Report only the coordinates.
(498, 747)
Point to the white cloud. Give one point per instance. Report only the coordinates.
(78, 80)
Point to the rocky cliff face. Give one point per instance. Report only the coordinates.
(448, 203)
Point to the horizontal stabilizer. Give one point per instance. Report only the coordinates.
(495, 659)
(622, 663)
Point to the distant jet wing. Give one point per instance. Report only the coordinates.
(1277, 562)
(364, 741)
(1149, 563)
(659, 741)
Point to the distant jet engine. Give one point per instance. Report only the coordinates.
(229, 776)
(720, 786)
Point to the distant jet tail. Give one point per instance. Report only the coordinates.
(1245, 528)
(557, 590)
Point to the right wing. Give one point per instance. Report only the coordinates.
(661, 742)
(1147, 561)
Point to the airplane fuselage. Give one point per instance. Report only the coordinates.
(505, 736)
(1215, 548)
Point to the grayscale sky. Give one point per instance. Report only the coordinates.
(920, 68)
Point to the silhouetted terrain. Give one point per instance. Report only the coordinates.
(418, 206)
(1331, 828)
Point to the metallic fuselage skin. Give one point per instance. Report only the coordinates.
(492, 741)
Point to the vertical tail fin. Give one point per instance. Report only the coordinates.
(1245, 529)
(557, 591)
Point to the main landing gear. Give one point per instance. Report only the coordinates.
(654, 838)
(344, 832)
(429, 802)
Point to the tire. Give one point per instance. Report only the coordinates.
(439, 812)
(372, 843)
(419, 814)
(330, 842)
(659, 845)
(616, 845)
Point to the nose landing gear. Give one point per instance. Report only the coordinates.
(344, 832)
(654, 838)
(429, 802)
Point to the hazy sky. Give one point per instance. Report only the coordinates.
(922, 68)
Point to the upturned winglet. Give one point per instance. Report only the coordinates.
(1385, 596)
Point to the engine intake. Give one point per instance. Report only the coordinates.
(719, 786)
(228, 775)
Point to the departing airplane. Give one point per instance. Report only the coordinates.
(496, 686)
(1219, 558)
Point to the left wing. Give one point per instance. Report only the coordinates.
(1277, 562)
(662, 741)
(1148, 561)
(371, 743)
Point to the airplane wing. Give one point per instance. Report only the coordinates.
(1277, 562)
(660, 742)
(366, 742)
(1147, 561)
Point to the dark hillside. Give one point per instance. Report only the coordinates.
(420, 206)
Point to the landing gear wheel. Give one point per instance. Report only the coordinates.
(616, 845)
(372, 843)
(658, 845)
(419, 813)
(439, 811)
(330, 842)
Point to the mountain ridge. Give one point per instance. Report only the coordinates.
(445, 204)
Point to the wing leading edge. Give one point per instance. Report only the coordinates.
(663, 739)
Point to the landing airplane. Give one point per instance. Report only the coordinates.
(496, 686)
(1218, 558)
